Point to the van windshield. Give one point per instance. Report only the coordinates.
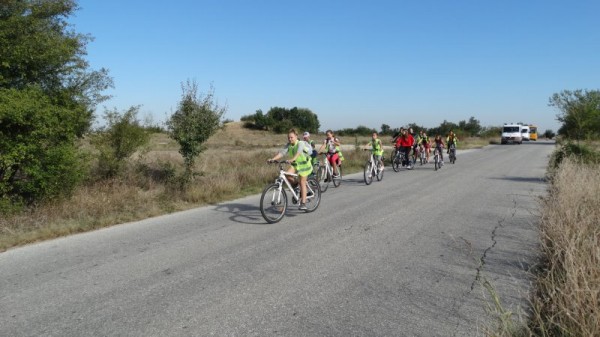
(511, 129)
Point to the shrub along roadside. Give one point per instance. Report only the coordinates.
(566, 296)
(567, 300)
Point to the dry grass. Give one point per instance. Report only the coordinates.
(567, 302)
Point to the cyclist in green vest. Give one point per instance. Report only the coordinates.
(298, 153)
(451, 139)
(376, 149)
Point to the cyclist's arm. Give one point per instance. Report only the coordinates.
(277, 156)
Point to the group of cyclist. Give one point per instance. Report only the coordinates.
(407, 142)
(303, 154)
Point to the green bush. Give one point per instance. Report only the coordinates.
(122, 136)
(38, 156)
(581, 152)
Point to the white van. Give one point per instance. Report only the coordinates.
(511, 133)
(525, 132)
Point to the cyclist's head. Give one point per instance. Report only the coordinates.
(306, 135)
(410, 130)
(329, 133)
(292, 136)
(374, 135)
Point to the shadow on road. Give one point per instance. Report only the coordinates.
(242, 213)
(522, 179)
(250, 214)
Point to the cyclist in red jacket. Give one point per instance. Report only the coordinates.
(405, 143)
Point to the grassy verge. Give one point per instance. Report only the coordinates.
(566, 298)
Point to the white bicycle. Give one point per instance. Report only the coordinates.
(373, 168)
(274, 202)
(325, 174)
(437, 158)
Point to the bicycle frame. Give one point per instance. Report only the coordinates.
(282, 178)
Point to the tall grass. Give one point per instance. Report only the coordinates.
(566, 297)
(567, 300)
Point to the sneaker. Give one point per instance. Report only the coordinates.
(302, 207)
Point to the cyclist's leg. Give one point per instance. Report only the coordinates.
(379, 161)
(303, 180)
(334, 163)
(291, 179)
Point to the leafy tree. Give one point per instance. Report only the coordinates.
(471, 127)
(416, 128)
(197, 118)
(490, 132)
(385, 129)
(257, 121)
(281, 120)
(122, 136)
(47, 98)
(549, 134)
(304, 119)
(38, 48)
(38, 159)
(360, 130)
(443, 129)
(580, 113)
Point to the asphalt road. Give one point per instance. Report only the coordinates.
(403, 257)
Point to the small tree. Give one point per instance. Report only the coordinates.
(580, 113)
(385, 129)
(197, 118)
(549, 134)
(116, 142)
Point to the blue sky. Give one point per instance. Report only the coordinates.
(351, 62)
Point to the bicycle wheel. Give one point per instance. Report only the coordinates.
(323, 178)
(393, 156)
(338, 179)
(368, 174)
(396, 163)
(436, 161)
(452, 157)
(273, 203)
(379, 172)
(313, 197)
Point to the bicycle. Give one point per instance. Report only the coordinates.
(452, 153)
(274, 202)
(422, 154)
(399, 159)
(325, 174)
(437, 162)
(372, 169)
